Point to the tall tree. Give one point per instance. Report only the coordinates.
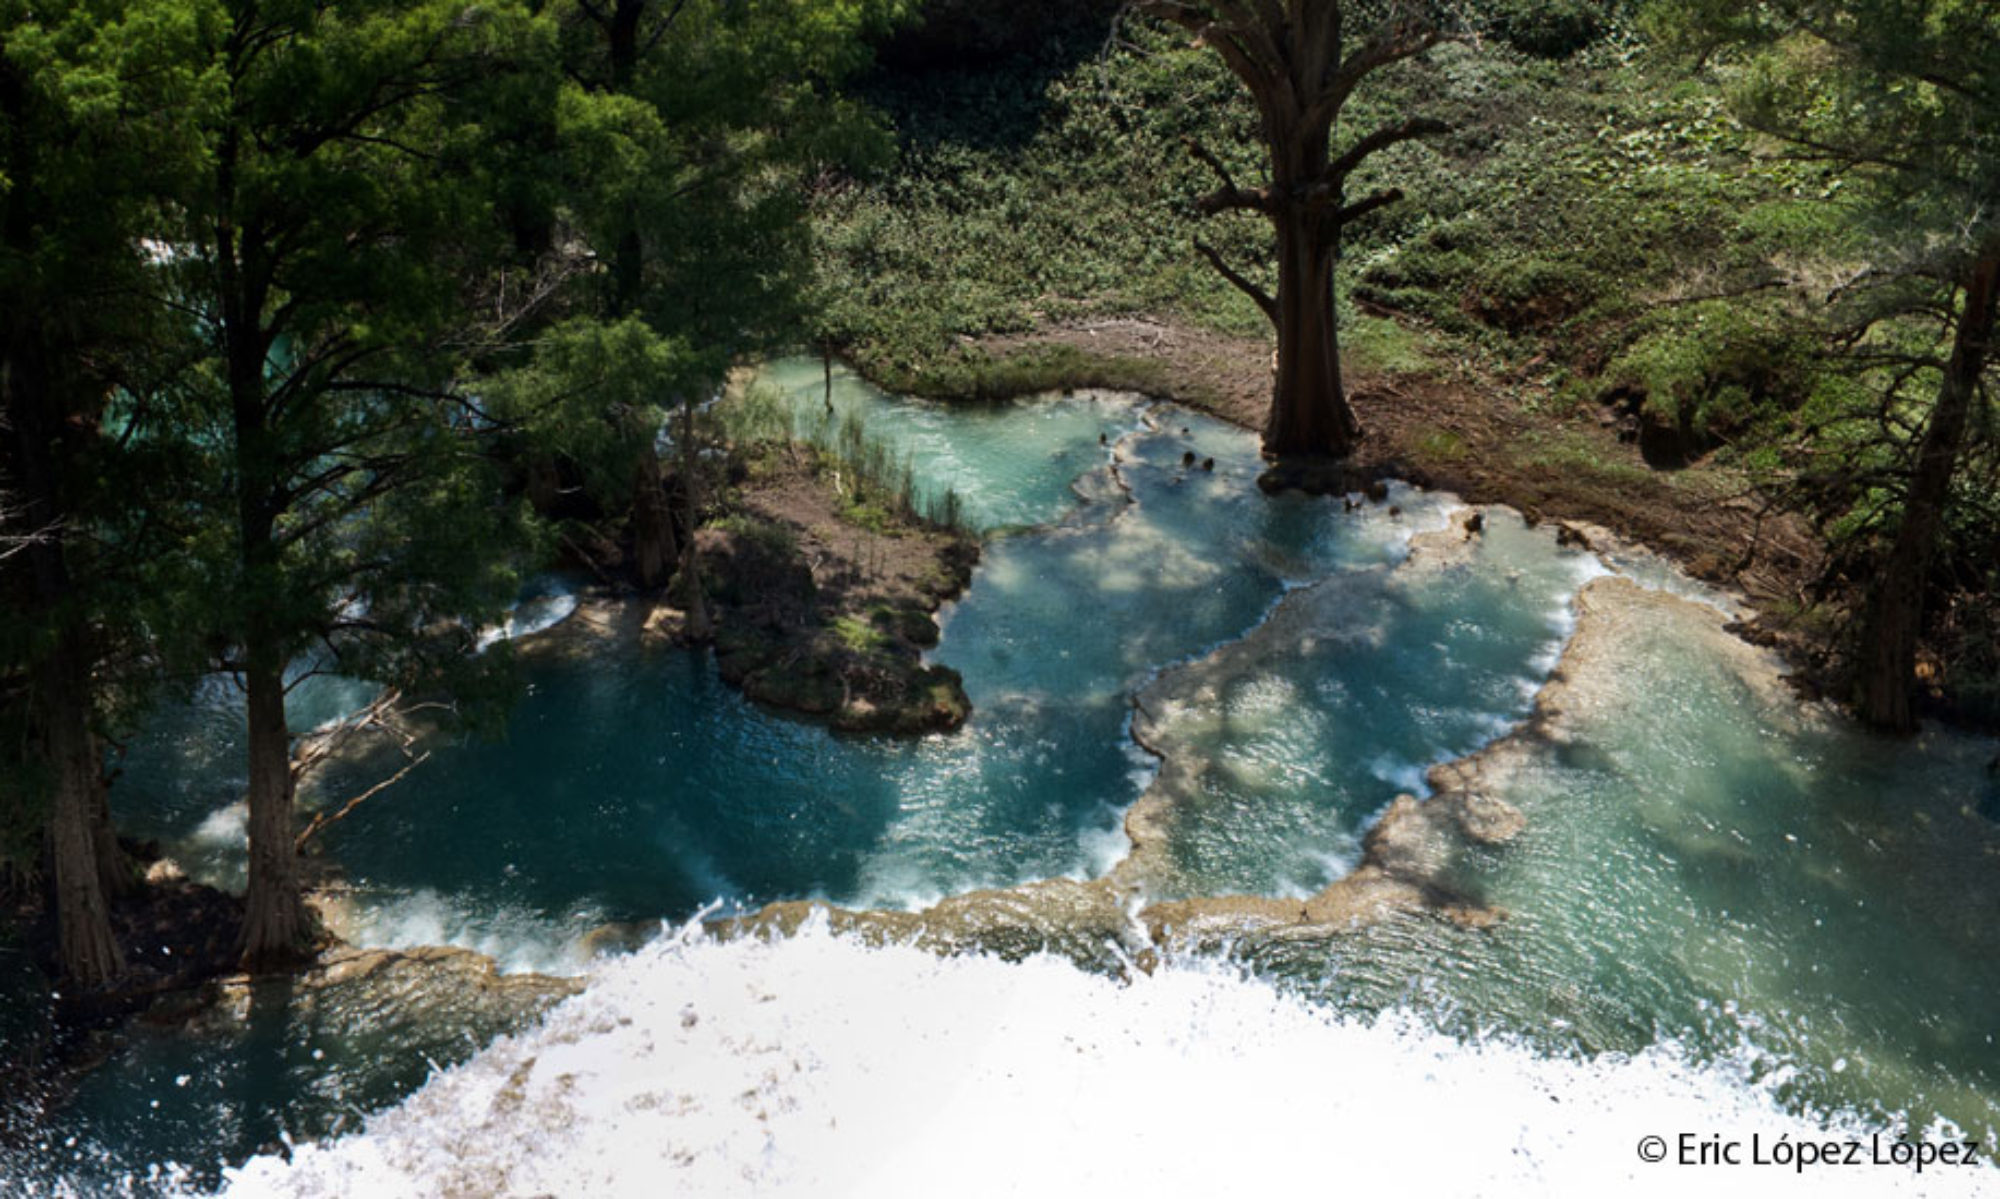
(1904, 95)
(688, 130)
(1301, 61)
(332, 235)
(85, 93)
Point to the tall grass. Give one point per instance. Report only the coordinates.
(877, 486)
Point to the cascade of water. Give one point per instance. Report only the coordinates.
(1730, 890)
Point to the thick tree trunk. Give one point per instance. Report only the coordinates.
(544, 483)
(628, 267)
(89, 953)
(628, 260)
(622, 32)
(275, 926)
(1896, 609)
(1309, 412)
(1296, 61)
(35, 404)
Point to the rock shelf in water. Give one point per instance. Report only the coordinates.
(1408, 855)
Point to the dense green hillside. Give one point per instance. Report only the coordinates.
(1599, 241)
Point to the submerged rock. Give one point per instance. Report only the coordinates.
(1320, 476)
(1487, 820)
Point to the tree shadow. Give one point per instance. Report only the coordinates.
(977, 74)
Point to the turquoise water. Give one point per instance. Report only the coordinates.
(1708, 865)
(1308, 728)
(1655, 898)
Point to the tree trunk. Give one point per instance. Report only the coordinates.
(275, 927)
(1896, 610)
(89, 953)
(1309, 412)
(826, 364)
(114, 870)
(36, 398)
(628, 262)
(628, 267)
(87, 950)
(622, 32)
(653, 548)
(698, 625)
(544, 483)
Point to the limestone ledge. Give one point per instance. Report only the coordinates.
(1405, 870)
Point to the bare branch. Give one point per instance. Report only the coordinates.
(1397, 43)
(1382, 139)
(1368, 204)
(322, 821)
(1228, 196)
(1243, 284)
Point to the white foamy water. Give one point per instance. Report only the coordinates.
(819, 1067)
(517, 937)
(549, 603)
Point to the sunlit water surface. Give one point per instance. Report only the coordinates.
(1774, 897)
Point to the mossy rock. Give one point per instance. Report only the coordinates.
(925, 699)
(913, 626)
(805, 687)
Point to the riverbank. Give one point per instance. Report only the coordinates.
(1461, 431)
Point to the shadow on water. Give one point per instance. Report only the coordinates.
(1700, 866)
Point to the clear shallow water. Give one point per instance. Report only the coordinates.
(634, 786)
(1306, 729)
(1709, 865)
(1011, 464)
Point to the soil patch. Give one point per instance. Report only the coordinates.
(826, 611)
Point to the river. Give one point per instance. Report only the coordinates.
(1728, 912)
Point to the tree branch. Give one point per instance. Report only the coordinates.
(1228, 196)
(1263, 298)
(1399, 42)
(321, 820)
(1368, 204)
(1382, 139)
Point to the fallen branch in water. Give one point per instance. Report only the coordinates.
(384, 715)
(321, 820)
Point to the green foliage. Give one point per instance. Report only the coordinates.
(1714, 371)
(758, 415)
(1030, 193)
(877, 489)
(598, 393)
(336, 251)
(1902, 96)
(90, 102)
(859, 635)
(1550, 28)
(686, 141)
(1570, 199)
(775, 541)
(974, 374)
